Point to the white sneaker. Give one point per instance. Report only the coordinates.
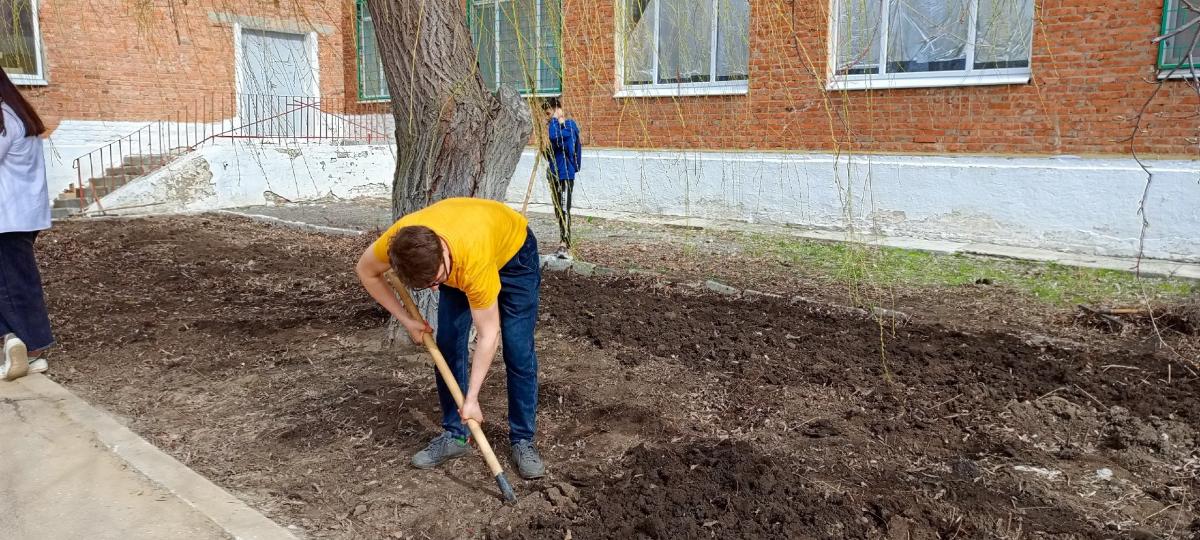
(39, 365)
(16, 359)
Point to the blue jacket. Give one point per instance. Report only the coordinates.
(565, 154)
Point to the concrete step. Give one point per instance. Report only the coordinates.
(127, 170)
(72, 203)
(146, 160)
(140, 159)
(61, 213)
(98, 192)
(112, 182)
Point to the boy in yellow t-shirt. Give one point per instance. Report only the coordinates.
(482, 258)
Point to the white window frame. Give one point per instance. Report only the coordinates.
(537, 21)
(39, 78)
(935, 79)
(713, 88)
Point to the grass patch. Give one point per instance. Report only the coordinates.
(861, 265)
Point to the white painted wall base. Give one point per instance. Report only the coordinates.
(1065, 203)
(77, 138)
(242, 173)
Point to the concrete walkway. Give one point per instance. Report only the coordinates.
(67, 470)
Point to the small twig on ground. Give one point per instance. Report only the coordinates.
(1118, 366)
(1113, 322)
(1147, 518)
(1162, 342)
(939, 405)
(1126, 311)
(1093, 398)
(1047, 394)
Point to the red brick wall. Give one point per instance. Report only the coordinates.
(108, 60)
(1090, 64)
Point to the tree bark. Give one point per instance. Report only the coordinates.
(454, 138)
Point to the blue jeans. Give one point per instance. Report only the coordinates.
(22, 302)
(519, 282)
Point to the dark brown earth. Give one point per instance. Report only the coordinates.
(251, 354)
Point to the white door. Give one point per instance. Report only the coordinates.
(278, 95)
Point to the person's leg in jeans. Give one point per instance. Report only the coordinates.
(556, 194)
(568, 187)
(453, 331)
(519, 298)
(24, 320)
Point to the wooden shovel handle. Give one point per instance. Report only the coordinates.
(444, 369)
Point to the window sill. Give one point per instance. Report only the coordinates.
(679, 90)
(375, 100)
(27, 80)
(1181, 73)
(925, 81)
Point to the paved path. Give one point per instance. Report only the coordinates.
(67, 470)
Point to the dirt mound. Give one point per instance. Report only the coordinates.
(723, 490)
(768, 341)
(252, 354)
(731, 490)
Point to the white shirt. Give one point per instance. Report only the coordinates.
(24, 200)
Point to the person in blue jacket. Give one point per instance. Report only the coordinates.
(564, 156)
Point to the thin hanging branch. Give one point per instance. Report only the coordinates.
(1137, 120)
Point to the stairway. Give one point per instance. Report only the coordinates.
(74, 200)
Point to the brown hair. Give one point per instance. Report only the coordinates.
(415, 252)
(24, 111)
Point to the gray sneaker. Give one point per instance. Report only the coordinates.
(441, 449)
(529, 463)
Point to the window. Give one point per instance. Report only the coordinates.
(683, 47)
(927, 43)
(372, 85)
(1176, 53)
(518, 43)
(21, 43)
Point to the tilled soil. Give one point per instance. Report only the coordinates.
(251, 354)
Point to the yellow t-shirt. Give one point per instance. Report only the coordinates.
(482, 234)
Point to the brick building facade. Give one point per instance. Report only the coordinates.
(1091, 64)
(749, 109)
(121, 61)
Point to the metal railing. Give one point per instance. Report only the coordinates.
(272, 119)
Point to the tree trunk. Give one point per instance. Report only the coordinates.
(454, 138)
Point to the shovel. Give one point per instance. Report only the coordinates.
(476, 431)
